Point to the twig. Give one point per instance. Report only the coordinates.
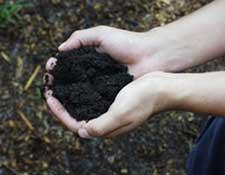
(32, 77)
(11, 169)
(46, 139)
(25, 119)
(5, 57)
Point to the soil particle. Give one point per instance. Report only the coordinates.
(87, 82)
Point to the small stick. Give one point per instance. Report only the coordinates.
(46, 139)
(11, 169)
(5, 57)
(25, 119)
(32, 77)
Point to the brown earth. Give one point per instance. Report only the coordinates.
(32, 142)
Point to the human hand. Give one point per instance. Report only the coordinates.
(134, 104)
(142, 52)
(54, 105)
(122, 45)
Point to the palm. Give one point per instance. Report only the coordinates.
(124, 47)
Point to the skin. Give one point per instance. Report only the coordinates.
(187, 42)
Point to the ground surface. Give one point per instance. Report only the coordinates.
(32, 142)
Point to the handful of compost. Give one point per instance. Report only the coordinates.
(86, 82)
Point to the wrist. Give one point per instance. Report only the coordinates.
(182, 89)
(174, 49)
(170, 51)
(195, 92)
(162, 88)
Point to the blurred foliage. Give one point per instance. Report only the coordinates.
(10, 11)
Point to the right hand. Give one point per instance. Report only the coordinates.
(133, 105)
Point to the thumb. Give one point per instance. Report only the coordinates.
(102, 125)
(86, 37)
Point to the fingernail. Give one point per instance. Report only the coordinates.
(51, 63)
(46, 78)
(84, 134)
(48, 94)
(62, 46)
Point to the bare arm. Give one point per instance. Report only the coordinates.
(198, 37)
(187, 42)
(158, 92)
(203, 93)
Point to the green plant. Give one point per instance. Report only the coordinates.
(9, 11)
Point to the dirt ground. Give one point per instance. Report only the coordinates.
(33, 143)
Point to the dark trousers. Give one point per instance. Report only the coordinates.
(208, 153)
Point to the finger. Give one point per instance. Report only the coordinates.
(48, 109)
(46, 94)
(80, 123)
(102, 125)
(120, 131)
(99, 49)
(86, 37)
(50, 112)
(47, 79)
(51, 63)
(60, 112)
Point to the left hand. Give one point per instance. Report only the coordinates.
(134, 104)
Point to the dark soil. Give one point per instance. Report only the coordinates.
(87, 82)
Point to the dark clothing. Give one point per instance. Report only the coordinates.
(208, 154)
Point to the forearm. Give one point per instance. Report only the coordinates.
(194, 39)
(203, 93)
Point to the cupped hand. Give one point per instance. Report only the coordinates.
(139, 51)
(122, 45)
(135, 49)
(134, 104)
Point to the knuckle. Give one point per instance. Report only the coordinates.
(122, 114)
(96, 131)
(71, 127)
(102, 27)
(126, 119)
(128, 116)
(158, 30)
(76, 33)
(60, 109)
